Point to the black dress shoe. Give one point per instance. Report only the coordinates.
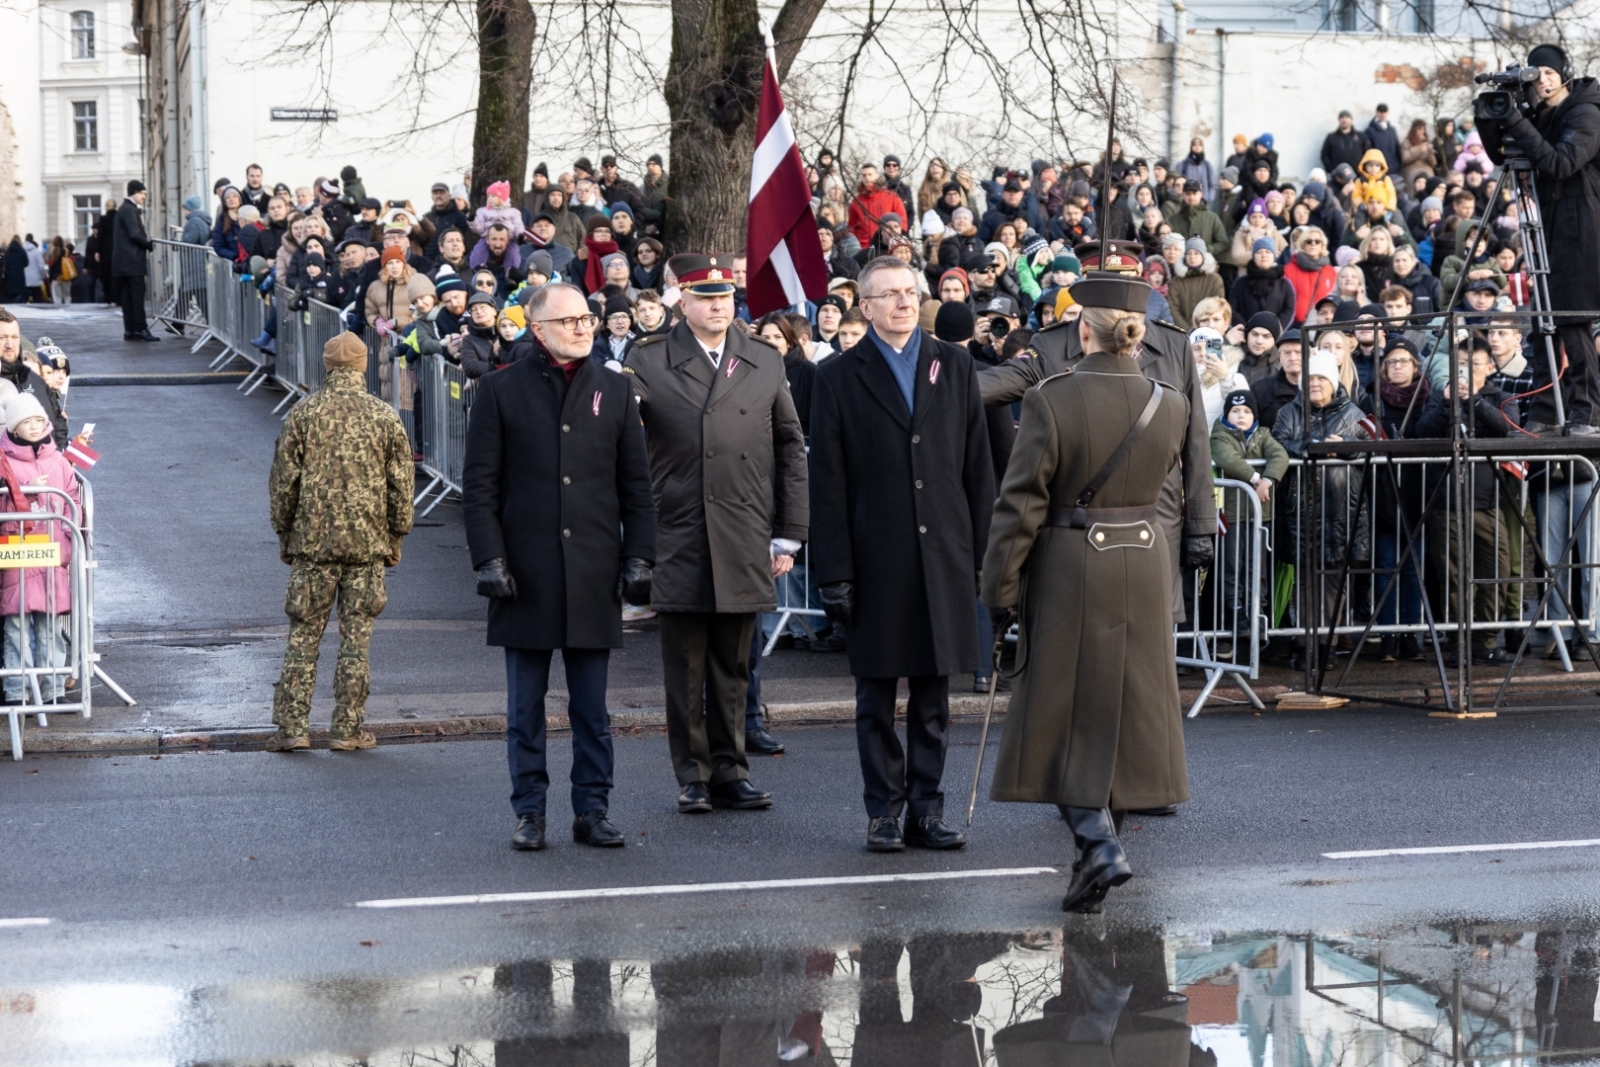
(883, 835)
(1493, 657)
(695, 799)
(529, 834)
(1155, 813)
(831, 642)
(593, 828)
(739, 795)
(760, 743)
(931, 832)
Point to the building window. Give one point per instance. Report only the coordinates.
(83, 35)
(86, 125)
(1425, 17)
(1346, 15)
(85, 209)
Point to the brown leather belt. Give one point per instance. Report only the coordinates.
(1083, 518)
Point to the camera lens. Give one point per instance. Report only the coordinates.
(999, 327)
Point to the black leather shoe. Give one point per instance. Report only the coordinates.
(760, 743)
(593, 828)
(883, 835)
(145, 336)
(931, 832)
(1155, 813)
(1493, 657)
(739, 795)
(1102, 865)
(695, 799)
(529, 835)
(833, 641)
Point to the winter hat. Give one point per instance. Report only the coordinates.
(1195, 244)
(1324, 365)
(1316, 191)
(1346, 311)
(392, 254)
(960, 212)
(1063, 301)
(135, 186)
(1274, 195)
(448, 281)
(370, 203)
(515, 314)
(316, 259)
(1230, 174)
(347, 174)
(995, 248)
(1264, 320)
(887, 215)
(1203, 334)
(540, 262)
(458, 191)
(1432, 202)
(500, 189)
(832, 300)
(328, 187)
(1173, 240)
(1263, 244)
(542, 169)
(1265, 141)
(614, 257)
(342, 350)
(1034, 245)
(950, 187)
(617, 304)
(191, 203)
(1258, 206)
(27, 406)
(481, 297)
(598, 221)
(419, 286)
(1067, 261)
(1345, 255)
(655, 157)
(1240, 398)
(621, 208)
(954, 322)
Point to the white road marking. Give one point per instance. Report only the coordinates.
(1447, 850)
(8, 923)
(707, 887)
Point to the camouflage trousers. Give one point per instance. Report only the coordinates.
(313, 589)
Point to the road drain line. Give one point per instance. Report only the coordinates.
(1451, 850)
(707, 887)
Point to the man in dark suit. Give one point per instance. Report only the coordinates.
(129, 247)
(561, 526)
(728, 461)
(902, 489)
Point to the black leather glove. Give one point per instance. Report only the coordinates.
(494, 580)
(1199, 551)
(838, 600)
(633, 584)
(1005, 652)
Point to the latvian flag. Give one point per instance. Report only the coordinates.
(81, 455)
(785, 257)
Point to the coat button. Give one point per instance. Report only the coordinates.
(916, 439)
(1144, 535)
(919, 483)
(565, 428)
(1099, 537)
(744, 455)
(741, 411)
(565, 480)
(566, 533)
(710, 454)
(922, 529)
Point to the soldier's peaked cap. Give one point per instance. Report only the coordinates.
(706, 275)
(1104, 289)
(344, 350)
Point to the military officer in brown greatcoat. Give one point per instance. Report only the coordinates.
(1076, 547)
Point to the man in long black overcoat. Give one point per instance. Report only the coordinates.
(561, 523)
(901, 493)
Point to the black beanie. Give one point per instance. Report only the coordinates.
(954, 322)
(1264, 320)
(347, 174)
(1240, 398)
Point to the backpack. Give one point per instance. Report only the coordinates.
(69, 269)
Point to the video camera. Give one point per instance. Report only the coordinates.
(1493, 108)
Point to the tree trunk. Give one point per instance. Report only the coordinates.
(713, 90)
(506, 30)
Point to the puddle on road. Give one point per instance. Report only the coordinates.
(1084, 995)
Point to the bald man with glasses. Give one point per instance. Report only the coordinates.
(728, 461)
(562, 528)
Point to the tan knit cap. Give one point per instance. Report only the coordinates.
(345, 350)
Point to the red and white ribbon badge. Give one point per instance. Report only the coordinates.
(596, 404)
(732, 363)
(933, 373)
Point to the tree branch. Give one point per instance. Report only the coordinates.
(790, 29)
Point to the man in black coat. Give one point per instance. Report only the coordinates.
(902, 489)
(727, 458)
(129, 247)
(562, 527)
(1344, 145)
(1563, 140)
(104, 227)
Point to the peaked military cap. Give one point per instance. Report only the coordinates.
(1105, 289)
(706, 275)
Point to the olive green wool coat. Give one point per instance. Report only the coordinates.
(1094, 719)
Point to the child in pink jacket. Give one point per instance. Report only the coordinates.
(35, 461)
(499, 210)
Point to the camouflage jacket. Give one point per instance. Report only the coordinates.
(342, 477)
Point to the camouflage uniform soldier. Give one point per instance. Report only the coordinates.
(341, 502)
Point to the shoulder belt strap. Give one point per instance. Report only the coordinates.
(1115, 459)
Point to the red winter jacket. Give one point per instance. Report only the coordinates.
(1310, 284)
(870, 205)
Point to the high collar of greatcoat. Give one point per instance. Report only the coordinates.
(1106, 363)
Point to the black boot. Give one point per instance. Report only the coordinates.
(1101, 865)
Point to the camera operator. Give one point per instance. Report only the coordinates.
(1562, 138)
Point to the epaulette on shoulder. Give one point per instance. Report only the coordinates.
(1057, 325)
(1054, 377)
(649, 339)
(1175, 328)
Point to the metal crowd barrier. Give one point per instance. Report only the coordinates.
(179, 286)
(794, 602)
(1225, 611)
(446, 399)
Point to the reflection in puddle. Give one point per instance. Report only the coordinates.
(1173, 998)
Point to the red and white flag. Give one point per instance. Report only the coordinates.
(785, 257)
(81, 455)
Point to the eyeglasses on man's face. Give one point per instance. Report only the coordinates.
(573, 323)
